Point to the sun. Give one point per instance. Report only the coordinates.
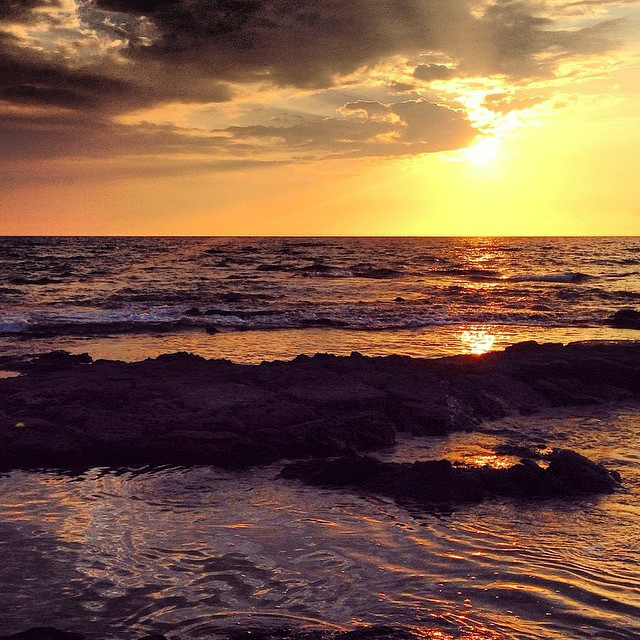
(484, 151)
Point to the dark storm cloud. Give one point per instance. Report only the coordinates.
(311, 43)
(305, 43)
(27, 78)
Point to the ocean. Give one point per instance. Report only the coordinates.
(195, 553)
(273, 298)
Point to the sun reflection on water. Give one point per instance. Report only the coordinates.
(477, 341)
(489, 460)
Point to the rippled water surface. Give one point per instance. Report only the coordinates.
(194, 551)
(132, 298)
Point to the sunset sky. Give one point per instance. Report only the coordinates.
(290, 117)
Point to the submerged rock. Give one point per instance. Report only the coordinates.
(45, 362)
(439, 481)
(625, 319)
(193, 311)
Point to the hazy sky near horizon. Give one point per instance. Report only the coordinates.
(434, 117)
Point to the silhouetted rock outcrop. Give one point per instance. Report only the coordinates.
(180, 408)
(625, 319)
(436, 482)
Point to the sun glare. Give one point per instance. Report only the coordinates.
(483, 152)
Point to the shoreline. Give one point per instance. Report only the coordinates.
(253, 346)
(69, 412)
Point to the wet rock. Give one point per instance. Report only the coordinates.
(530, 346)
(399, 299)
(577, 474)
(52, 361)
(625, 319)
(441, 482)
(520, 451)
(184, 409)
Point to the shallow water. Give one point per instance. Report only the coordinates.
(285, 344)
(191, 552)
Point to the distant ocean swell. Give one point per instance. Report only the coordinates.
(100, 286)
(356, 319)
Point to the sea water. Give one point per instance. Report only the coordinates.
(131, 298)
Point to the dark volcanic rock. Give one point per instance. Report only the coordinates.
(183, 409)
(518, 450)
(625, 319)
(51, 361)
(577, 474)
(440, 482)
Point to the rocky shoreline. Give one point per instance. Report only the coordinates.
(66, 411)
(440, 482)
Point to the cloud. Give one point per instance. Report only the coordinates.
(432, 126)
(305, 43)
(23, 9)
(316, 43)
(41, 69)
(519, 40)
(88, 62)
(430, 72)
